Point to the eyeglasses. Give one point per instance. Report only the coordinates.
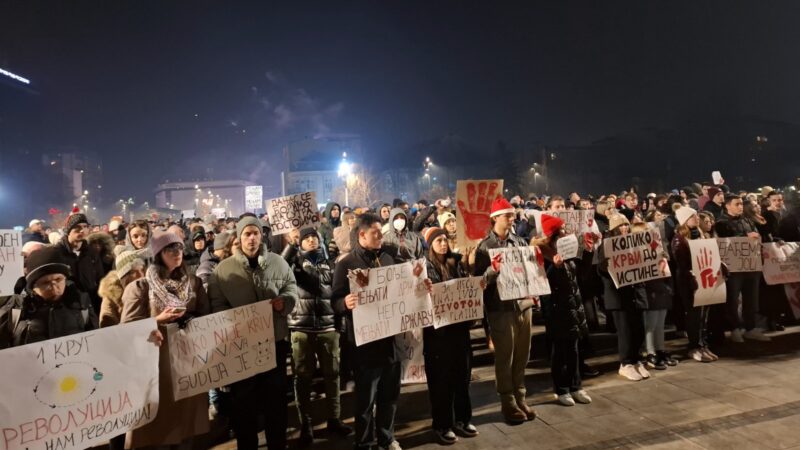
(51, 285)
(174, 249)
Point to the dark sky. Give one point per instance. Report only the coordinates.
(126, 78)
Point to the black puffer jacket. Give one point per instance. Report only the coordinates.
(314, 274)
(729, 226)
(563, 308)
(87, 269)
(627, 298)
(37, 320)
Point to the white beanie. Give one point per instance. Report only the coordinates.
(683, 214)
(54, 237)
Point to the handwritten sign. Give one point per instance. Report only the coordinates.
(10, 260)
(567, 246)
(413, 363)
(740, 254)
(458, 300)
(521, 273)
(293, 212)
(474, 204)
(222, 348)
(706, 265)
(391, 300)
(635, 258)
(253, 196)
(781, 262)
(78, 391)
(576, 221)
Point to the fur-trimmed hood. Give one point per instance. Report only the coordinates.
(111, 287)
(105, 239)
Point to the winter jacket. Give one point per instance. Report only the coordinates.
(376, 353)
(87, 268)
(789, 226)
(234, 283)
(329, 224)
(208, 262)
(563, 308)
(451, 341)
(402, 245)
(107, 256)
(27, 318)
(683, 277)
(729, 226)
(422, 220)
(314, 274)
(35, 237)
(483, 267)
(714, 209)
(110, 291)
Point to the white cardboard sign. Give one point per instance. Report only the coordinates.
(706, 265)
(636, 258)
(10, 260)
(522, 273)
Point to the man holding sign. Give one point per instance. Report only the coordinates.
(509, 320)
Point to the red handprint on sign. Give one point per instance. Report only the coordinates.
(475, 212)
(708, 279)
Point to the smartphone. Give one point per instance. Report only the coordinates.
(179, 309)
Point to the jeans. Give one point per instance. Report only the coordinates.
(654, 330)
(511, 333)
(377, 388)
(307, 348)
(746, 284)
(565, 366)
(696, 319)
(264, 394)
(630, 335)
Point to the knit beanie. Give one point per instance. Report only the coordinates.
(46, 261)
(246, 221)
(616, 220)
(444, 217)
(74, 220)
(683, 214)
(432, 233)
(221, 239)
(306, 232)
(161, 239)
(127, 261)
(713, 191)
(551, 225)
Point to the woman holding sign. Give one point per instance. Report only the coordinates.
(448, 353)
(170, 294)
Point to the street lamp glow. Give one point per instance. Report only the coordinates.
(345, 169)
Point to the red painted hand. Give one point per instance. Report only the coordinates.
(476, 212)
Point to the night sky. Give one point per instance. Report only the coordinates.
(152, 85)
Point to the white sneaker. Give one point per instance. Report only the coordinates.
(629, 371)
(566, 400)
(736, 336)
(581, 396)
(699, 355)
(394, 446)
(756, 334)
(642, 371)
(709, 353)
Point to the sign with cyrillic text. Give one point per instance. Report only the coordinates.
(706, 265)
(567, 246)
(522, 273)
(458, 300)
(296, 211)
(740, 254)
(576, 221)
(79, 391)
(222, 348)
(413, 364)
(635, 258)
(391, 300)
(10, 260)
(781, 262)
(474, 204)
(253, 196)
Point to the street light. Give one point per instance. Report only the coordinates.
(345, 170)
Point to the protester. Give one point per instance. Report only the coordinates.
(341, 235)
(137, 239)
(254, 275)
(331, 219)
(34, 232)
(86, 267)
(715, 202)
(221, 249)
(509, 321)
(313, 333)
(103, 244)
(129, 267)
(448, 352)
(400, 242)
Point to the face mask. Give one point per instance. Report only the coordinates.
(399, 224)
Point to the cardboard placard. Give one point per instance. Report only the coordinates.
(474, 204)
(636, 258)
(456, 301)
(413, 364)
(522, 273)
(10, 260)
(781, 262)
(568, 247)
(741, 254)
(291, 212)
(706, 263)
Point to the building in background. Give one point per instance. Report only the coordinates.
(78, 175)
(221, 197)
(313, 164)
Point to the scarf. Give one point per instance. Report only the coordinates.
(167, 293)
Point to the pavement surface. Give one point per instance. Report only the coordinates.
(749, 399)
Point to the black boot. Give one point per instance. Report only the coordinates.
(335, 426)
(306, 434)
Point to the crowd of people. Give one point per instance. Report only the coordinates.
(86, 276)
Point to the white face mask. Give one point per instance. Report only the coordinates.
(399, 224)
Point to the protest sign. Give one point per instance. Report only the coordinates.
(391, 300)
(187, 213)
(413, 364)
(793, 295)
(79, 391)
(521, 273)
(576, 221)
(474, 204)
(293, 211)
(253, 196)
(458, 300)
(716, 177)
(222, 348)
(706, 264)
(781, 262)
(635, 258)
(10, 260)
(740, 254)
(567, 246)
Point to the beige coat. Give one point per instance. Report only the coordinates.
(110, 291)
(176, 421)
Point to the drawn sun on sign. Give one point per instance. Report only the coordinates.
(262, 355)
(67, 384)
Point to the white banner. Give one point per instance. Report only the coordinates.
(781, 262)
(567, 246)
(293, 211)
(413, 364)
(391, 300)
(10, 260)
(78, 391)
(222, 348)
(793, 295)
(458, 300)
(522, 273)
(706, 264)
(740, 254)
(253, 196)
(636, 258)
(576, 221)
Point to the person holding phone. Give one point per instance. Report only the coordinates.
(170, 294)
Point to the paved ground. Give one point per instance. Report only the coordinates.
(749, 399)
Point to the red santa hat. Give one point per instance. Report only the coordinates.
(501, 206)
(551, 225)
